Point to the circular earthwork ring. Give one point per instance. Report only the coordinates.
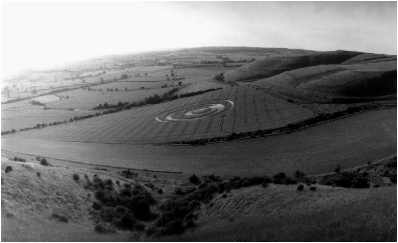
(195, 111)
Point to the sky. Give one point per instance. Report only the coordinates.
(43, 34)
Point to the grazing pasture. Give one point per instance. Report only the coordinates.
(350, 142)
(251, 111)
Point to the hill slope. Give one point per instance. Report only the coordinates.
(281, 213)
(270, 66)
(324, 83)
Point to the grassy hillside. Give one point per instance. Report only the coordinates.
(336, 83)
(37, 199)
(270, 66)
(281, 213)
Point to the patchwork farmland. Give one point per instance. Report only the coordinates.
(252, 110)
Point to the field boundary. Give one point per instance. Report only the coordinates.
(92, 164)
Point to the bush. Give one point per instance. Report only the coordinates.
(19, 159)
(127, 221)
(38, 174)
(100, 228)
(194, 179)
(142, 209)
(44, 162)
(300, 187)
(160, 190)
(8, 169)
(393, 178)
(60, 218)
(76, 177)
(97, 205)
(139, 226)
(313, 188)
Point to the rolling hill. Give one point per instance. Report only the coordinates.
(270, 66)
(336, 83)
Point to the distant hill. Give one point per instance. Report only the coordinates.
(360, 80)
(270, 66)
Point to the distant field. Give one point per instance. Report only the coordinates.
(86, 100)
(251, 111)
(19, 118)
(195, 87)
(350, 142)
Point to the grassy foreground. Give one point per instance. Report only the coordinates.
(372, 217)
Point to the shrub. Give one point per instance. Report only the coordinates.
(160, 190)
(101, 196)
(194, 179)
(174, 227)
(142, 208)
(97, 205)
(313, 188)
(224, 196)
(264, 184)
(245, 183)
(127, 221)
(100, 228)
(298, 174)
(60, 218)
(76, 177)
(338, 168)
(8, 169)
(38, 174)
(139, 226)
(300, 187)
(360, 182)
(44, 162)
(19, 159)
(393, 178)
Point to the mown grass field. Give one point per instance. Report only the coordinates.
(252, 111)
(350, 142)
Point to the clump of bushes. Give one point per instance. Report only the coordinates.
(281, 178)
(300, 187)
(19, 159)
(121, 208)
(347, 179)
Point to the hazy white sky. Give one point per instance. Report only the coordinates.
(42, 34)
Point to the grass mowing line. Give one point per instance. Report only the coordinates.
(235, 108)
(196, 128)
(255, 112)
(183, 130)
(266, 108)
(209, 124)
(144, 121)
(244, 108)
(172, 130)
